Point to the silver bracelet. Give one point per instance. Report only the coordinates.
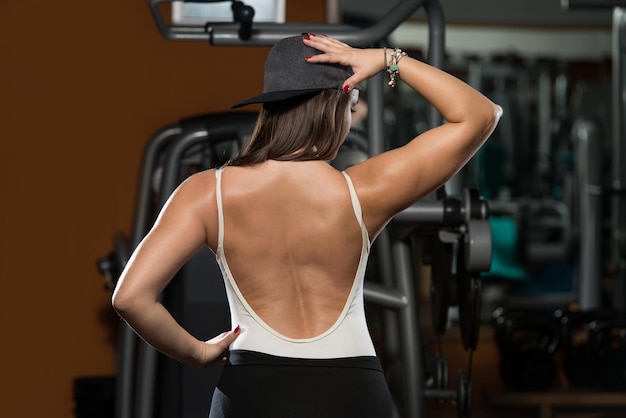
(392, 67)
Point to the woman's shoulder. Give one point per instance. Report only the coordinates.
(201, 179)
(197, 187)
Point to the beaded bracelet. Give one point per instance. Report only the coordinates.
(392, 67)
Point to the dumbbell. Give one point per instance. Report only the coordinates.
(608, 340)
(527, 341)
(580, 361)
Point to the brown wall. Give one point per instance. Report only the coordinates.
(83, 86)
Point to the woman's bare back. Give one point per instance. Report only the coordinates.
(292, 242)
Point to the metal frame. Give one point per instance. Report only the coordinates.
(586, 137)
(618, 151)
(125, 388)
(267, 34)
(618, 219)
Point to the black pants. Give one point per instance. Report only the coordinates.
(255, 385)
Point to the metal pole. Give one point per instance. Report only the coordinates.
(267, 34)
(618, 219)
(591, 4)
(124, 390)
(409, 331)
(589, 172)
(333, 11)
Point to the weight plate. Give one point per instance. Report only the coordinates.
(468, 289)
(475, 206)
(478, 246)
(440, 284)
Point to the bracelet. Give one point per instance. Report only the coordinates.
(392, 67)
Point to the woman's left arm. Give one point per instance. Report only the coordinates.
(179, 232)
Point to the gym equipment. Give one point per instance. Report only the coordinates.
(545, 230)
(113, 264)
(585, 134)
(461, 397)
(174, 150)
(204, 142)
(507, 157)
(354, 150)
(616, 189)
(457, 251)
(527, 340)
(436, 369)
(266, 34)
(442, 284)
(94, 397)
(591, 4)
(244, 15)
(181, 148)
(468, 298)
(608, 341)
(618, 186)
(581, 360)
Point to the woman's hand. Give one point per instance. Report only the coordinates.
(364, 62)
(215, 349)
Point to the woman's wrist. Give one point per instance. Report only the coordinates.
(391, 61)
(386, 57)
(198, 357)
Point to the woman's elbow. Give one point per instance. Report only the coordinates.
(121, 301)
(485, 121)
(497, 113)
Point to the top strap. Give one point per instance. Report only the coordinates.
(220, 211)
(356, 204)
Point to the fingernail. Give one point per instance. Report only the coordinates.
(312, 34)
(324, 35)
(236, 330)
(346, 88)
(308, 57)
(306, 38)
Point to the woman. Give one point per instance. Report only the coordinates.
(292, 234)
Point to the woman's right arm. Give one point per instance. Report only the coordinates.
(179, 231)
(394, 180)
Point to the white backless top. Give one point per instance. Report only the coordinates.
(347, 337)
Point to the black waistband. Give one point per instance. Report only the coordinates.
(247, 358)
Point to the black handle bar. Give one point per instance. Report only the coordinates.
(267, 34)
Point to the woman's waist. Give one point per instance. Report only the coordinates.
(254, 358)
(347, 339)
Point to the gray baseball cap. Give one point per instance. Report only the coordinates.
(288, 75)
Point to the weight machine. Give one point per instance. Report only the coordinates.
(617, 187)
(454, 221)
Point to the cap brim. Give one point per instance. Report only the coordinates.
(275, 96)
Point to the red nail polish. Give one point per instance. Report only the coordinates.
(346, 88)
(306, 37)
(312, 34)
(324, 35)
(236, 330)
(308, 57)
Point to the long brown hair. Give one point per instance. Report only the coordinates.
(311, 128)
